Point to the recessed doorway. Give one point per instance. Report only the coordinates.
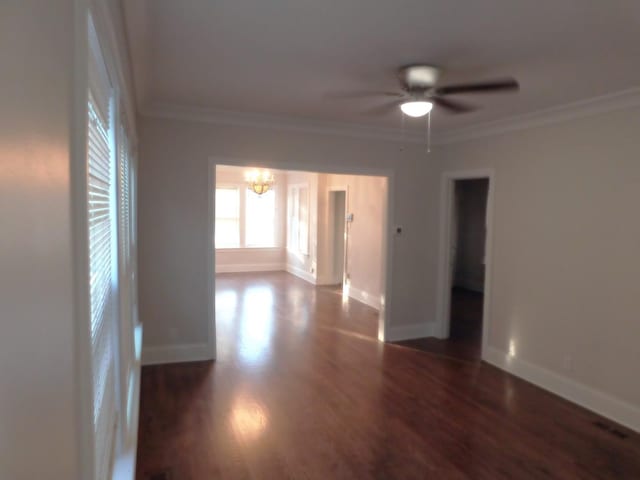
(338, 233)
(465, 262)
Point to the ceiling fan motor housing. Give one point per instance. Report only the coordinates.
(419, 77)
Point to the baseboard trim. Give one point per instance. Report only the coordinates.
(156, 355)
(409, 332)
(580, 394)
(372, 300)
(250, 267)
(298, 272)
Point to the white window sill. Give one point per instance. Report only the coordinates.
(244, 249)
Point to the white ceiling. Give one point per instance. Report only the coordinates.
(293, 57)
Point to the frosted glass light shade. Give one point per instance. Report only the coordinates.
(416, 109)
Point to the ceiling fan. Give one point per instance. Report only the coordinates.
(420, 92)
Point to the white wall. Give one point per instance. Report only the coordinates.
(565, 285)
(174, 160)
(38, 402)
(255, 259)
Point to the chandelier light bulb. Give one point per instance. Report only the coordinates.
(260, 181)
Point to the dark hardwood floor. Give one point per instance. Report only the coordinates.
(302, 389)
(465, 336)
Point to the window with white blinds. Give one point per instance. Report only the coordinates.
(102, 278)
(126, 269)
(298, 219)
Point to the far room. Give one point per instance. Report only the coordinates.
(296, 251)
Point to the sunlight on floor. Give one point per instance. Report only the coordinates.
(256, 324)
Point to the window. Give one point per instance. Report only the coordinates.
(227, 217)
(298, 219)
(102, 236)
(245, 219)
(111, 251)
(260, 219)
(127, 274)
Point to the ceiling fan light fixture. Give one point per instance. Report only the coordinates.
(416, 109)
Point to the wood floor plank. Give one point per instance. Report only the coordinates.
(302, 389)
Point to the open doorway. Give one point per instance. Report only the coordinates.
(338, 236)
(467, 255)
(304, 255)
(465, 264)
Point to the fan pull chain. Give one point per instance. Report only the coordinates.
(428, 132)
(402, 128)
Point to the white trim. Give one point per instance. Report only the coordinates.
(373, 301)
(587, 397)
(250, 249)
(444, 274)
(300, 273)
(250, 267)
(620, 100)
(211, 263)
(117, 61)
(160, 354)
(409, 332)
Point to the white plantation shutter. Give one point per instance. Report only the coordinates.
(102, 237)
(126, 266)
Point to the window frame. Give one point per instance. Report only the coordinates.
(240, 214)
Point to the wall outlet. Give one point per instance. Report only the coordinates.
(567, 363)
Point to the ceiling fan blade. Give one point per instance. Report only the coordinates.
(383, 109)
(358, 95)
(501, 85)
(453, 106)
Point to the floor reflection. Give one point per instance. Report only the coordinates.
(249, 418)
(226, 305)
(256, 320)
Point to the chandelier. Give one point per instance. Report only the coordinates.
(259, 181)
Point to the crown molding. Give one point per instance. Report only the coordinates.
(621, 100)
(257, 120)
(584, 108)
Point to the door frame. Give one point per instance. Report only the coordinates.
(284, 164)
(447, 199)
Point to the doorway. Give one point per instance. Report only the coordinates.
(467, 257)
(465, 262)
(338, 213)
(300, 248)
